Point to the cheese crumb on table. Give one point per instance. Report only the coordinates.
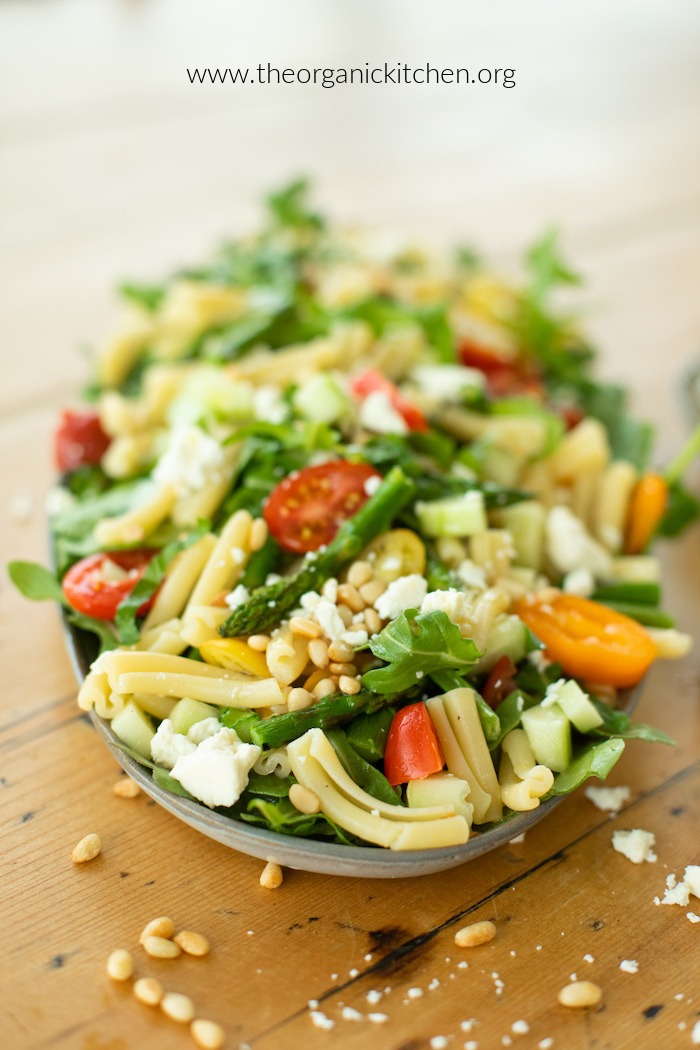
(608, 799)
(629, 966)
(320, 1020)
(635, 844)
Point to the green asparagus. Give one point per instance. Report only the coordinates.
(332, 711)
(269, 604)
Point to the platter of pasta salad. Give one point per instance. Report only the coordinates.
(355, 551)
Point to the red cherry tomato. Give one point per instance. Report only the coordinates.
(572, 415)
(412, 748)
(88, 590)
(500, 682)
(505, 377)
(306, 509)
(372, 381)
(79, 440)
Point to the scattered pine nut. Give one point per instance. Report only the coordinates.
(477, 933)
(161, 948)
(207, 1034)
(298, 699)
(87, 849)
(160, 927)
(148, 990)
(303, 799)
(374, 624)
(259, 642)
(126, 788)
(349, 686)
(258, 534)
(303, 626)
(580, 994)
(318, 652)
(324, 688)
(372, 590)
(192, 943)
(271, 876)
(350, 596)
(359, 573)
(344, 668)
(177, 1007)
(345, 614)
(120, 965)
(340, 652)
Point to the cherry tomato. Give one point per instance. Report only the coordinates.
(505, 377)
(412, 748)
(647, 508)
(91, 592)
(79, 440)
(306, 509)
(588, 639)
(572, 415)
(500, 682)
(371, 381)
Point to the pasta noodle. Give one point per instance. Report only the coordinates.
(179, 582)
(136, 525)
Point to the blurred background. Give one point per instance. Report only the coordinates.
(115, 165)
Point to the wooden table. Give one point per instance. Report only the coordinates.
(114, 165)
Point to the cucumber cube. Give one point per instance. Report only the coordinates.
(455, 516)
(548, 731)
(134, 728)
(575, 704)
(440, 789)
(187, 713)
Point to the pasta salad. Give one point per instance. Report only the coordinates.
(362, 541)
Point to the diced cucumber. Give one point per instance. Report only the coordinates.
(508, 636)
(440, 789)
(455, 516)
(549, 733)
(187, 713)
(321, 399)
(526, 523)
(159, 706)
(134, 727)
(499, 466)
(575, 704)
(642, 568)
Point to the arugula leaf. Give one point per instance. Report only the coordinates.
(100, 628)
(283, 818)
(288, 206)
(593, 760)
(681, 511)
(35, 582)
(368, 733)
(150, 296)
(269, 785)
(629, 438)
(125, 618)
(415, 645)
(618, 723)
(490, 722)
(382, 314)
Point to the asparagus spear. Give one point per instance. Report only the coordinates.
(268, 605)
(333, 710)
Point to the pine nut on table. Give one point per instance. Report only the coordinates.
(160, 927)
(477, 933)
(87, 849)
(148, 990)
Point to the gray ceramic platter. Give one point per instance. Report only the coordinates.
(326, 858)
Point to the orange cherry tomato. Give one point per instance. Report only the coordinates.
(646, 509)
(588, 639)
(412, 748)
(370, 381)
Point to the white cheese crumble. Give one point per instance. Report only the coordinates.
(349, 1014)
(447, 382)
(237, 596)
(692, 917)
(167, 746)
(408, 592)
(373, 996)
(379, 415)
(608, 799)
(455, 604)
(635, 844)
(695, 1034)
(217, 771)
(329, 620)
(320, 1020)
(21, 507)
(588, 958)
(579, 582)
(190, 462)
(570, 546)
(203, 730)
(438, 1042)
(520, 1027)
(372, 484)
(545, 1044)
(629, 966)
(472, 574)
(269, 406)
(378, 1018)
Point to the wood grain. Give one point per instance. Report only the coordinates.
(114, 166)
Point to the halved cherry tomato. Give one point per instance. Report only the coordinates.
(647, 508)
(306, 509)
(505, 377)
(371, 381)
(89, 590)
(412, 748)
(500, 682)
(79, 440)
(588, 639)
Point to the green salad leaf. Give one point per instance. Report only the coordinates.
(415, 645)
(593, 760)
(35, 582)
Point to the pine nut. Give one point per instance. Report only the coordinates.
(341, 652)
(345, 615)
(258, 534)
(177, 1007)
(305, 627)
(87, 849)
(477, 933)
(192, 943)
(303, 799)
(298, 699)
(324, 688)
(579, 994)
(120, 965)
(348, 685)
(359, 573)
(318, 652)
(259, 642)
(345, 668)
(374, 624)
(160, 927)
(126, 788)
(372, 590)
(148, 990)
(161, 948)
(271, 877)
(351, 597)
(207, 1034)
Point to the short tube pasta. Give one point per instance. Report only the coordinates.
(134, 526)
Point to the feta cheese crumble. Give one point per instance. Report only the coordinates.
(570, 546)
(629, 966)
(635, 844)
(447, 382)
(379, 415)
(237, 596)
(408, 592)
(217, 771)
(167, 746)
(608, 799)
(190, 462)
